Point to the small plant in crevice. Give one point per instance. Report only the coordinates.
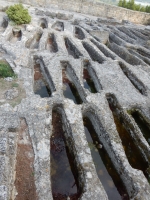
(18, 14)
(130, 111)
(91, 145)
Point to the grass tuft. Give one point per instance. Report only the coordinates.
(5, 70)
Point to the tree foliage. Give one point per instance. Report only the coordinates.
(133, 6)
(18, 14)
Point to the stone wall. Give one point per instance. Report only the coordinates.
(93, 8)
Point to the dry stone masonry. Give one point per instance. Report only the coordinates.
(83, 130)
(90, 7)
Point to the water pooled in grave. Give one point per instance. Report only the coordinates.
(88, 82)
(63, 172)
(69, 89)
(132, 152)
(144, 127)
(104, 167)
(40, 85)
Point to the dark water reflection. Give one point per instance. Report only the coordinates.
(104, 167)
(63, 174)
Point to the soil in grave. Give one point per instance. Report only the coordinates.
(106, 172)
(63, 173)
(40, 85)
(24, 182)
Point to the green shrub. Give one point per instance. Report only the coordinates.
(5, 70)
(18, 14)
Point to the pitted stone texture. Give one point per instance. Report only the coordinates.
(11, 94)
(3, 192)
(12, 143)
(124, 41)
(3, 144)
(9, 120)
(2, 169)
(102, 36)
(114, 81)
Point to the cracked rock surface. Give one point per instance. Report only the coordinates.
(46, 55)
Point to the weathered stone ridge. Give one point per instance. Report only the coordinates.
(92, 8)
(79, 67)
